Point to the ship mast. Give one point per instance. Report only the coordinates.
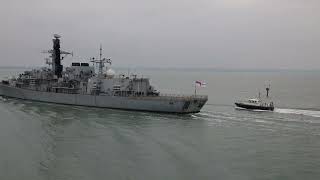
(56, 53)
(101, 61)
(268, 89)
(101, 64)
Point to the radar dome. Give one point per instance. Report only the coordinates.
(110, 73)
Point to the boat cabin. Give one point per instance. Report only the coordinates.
(254, 101)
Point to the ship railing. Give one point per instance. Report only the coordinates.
(182, 96)
(263, 104)
(172, 96)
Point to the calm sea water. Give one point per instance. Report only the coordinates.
(58, 142)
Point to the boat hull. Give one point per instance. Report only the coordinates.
(166, 104)
(254, 107)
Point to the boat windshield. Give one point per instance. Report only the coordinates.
(253, 100)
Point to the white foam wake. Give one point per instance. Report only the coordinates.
(2, 98)
(312, 113)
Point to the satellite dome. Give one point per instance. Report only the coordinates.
(110, 73)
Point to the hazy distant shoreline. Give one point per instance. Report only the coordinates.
(186, 68)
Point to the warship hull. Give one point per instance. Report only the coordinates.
(166, 104)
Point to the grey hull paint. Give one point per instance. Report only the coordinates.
(165, 104)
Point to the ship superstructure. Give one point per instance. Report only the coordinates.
(79, 84)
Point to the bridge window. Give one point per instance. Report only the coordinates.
(75, 64)
(84, 64)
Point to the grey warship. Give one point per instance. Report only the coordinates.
(81, 85)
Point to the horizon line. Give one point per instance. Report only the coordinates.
(188, 68)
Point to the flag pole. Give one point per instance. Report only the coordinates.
(195, 89)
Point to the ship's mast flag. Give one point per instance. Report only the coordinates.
(201, 84)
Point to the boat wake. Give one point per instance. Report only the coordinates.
(3, 98)
(255, 110)
(312, 113)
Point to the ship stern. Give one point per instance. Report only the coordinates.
(194, 104)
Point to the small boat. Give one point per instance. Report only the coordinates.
(257, 103)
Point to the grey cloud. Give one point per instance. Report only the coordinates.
(176, 33)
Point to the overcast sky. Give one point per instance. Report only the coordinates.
(166, 33)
